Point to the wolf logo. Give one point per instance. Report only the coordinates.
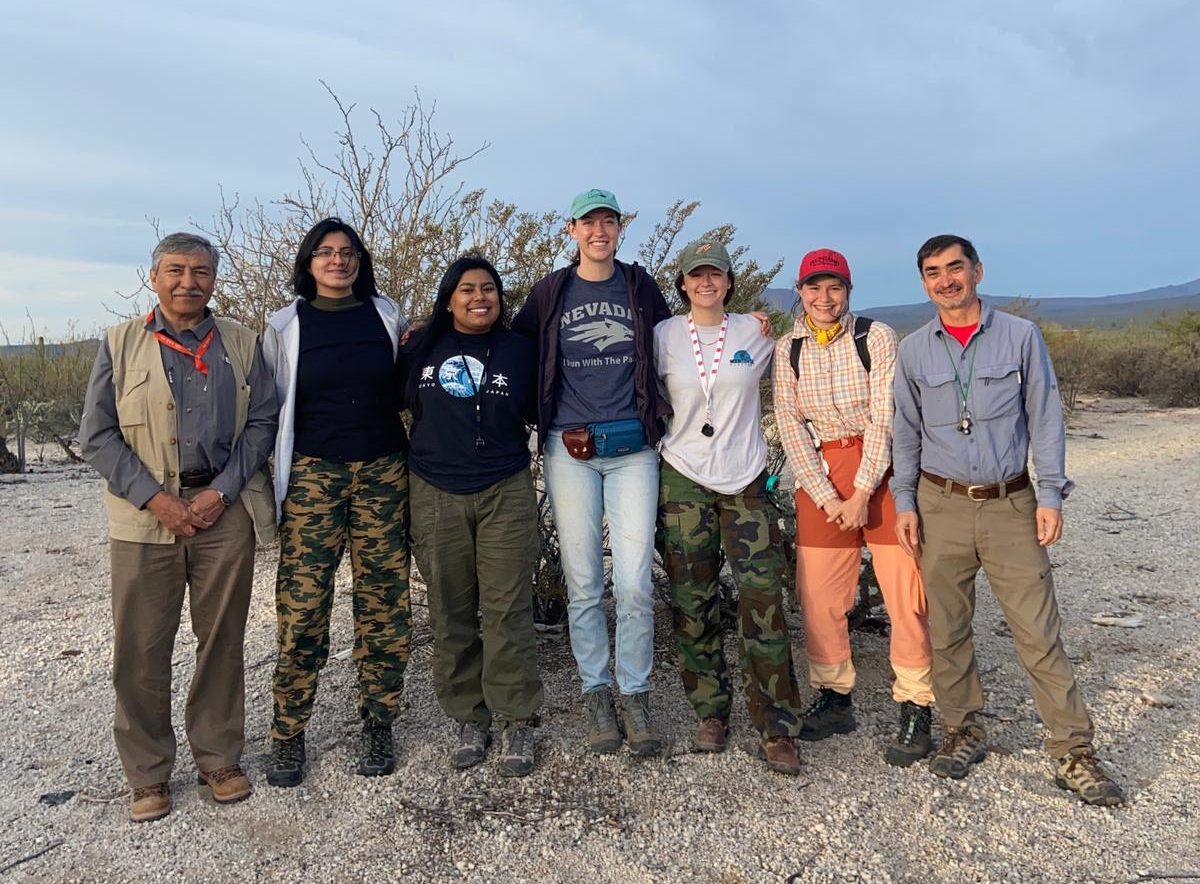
(603, 333)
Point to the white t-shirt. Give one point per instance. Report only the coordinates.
(730, 459)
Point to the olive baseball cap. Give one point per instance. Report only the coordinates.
(593, 199)
(704, 253)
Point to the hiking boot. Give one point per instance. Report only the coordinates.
(473, 742)
(286, 767)
(228, 785)
(961, 747)
(1081, 772)
(150, 803)
(828, 714)
(780, 755)
(378, 758)
(604, 735)
(516, 750)
(635, 714)
(912, 741)
(712, 735)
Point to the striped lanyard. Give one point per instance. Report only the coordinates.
(197, 356)
(708, 377)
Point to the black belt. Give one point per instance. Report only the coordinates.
(196, 478)
(980, 492)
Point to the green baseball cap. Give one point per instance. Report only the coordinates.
(704, 253)
(593, 199)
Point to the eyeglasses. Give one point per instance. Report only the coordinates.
(327, 252)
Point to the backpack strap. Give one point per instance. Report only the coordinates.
(862, 325)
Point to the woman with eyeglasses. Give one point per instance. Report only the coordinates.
(469, 383)
(341, 480)
(712, 495)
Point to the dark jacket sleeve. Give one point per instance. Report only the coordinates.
(525, 323)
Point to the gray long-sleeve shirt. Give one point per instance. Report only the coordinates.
(204, 406)
(1013, 401)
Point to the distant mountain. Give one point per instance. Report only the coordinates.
(52, 349)
(1101, 312)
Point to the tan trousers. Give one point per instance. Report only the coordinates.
(148, 581)
(959, 536)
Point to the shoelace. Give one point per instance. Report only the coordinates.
(515, 738)
(959, 744)
(288, 750)
(149, 791)
(223, 775)
(911, 718)
(1087, 769)
(822, 702)
(379, 744)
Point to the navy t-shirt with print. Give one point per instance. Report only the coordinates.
(595, 353)
(445, 425)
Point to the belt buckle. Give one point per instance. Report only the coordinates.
(972, 489)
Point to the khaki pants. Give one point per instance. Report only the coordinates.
(959, 536)
(476, 553)
(148, 581)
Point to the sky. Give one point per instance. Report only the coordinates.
(1055, 134)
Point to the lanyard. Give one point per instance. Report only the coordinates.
(477, 390)
(964, 389)
(197, 356)
(708, 379)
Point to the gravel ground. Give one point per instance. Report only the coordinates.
(1131, 536)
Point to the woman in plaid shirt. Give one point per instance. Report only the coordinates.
(834, 406)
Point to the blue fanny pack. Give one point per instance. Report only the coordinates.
(615, 438)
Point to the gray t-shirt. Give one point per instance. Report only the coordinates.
(595, 353)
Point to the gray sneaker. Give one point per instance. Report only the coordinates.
(961, 747)
(635, 714)
(516, 750)
(604, 735)
(473, 742)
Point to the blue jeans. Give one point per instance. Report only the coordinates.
(625, 491)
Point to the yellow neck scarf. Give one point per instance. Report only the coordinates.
(823, 336)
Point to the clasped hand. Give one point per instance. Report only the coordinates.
(184, 518)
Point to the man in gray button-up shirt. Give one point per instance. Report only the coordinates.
(975, 395)
(179, 417)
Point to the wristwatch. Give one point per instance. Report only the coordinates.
(225, 501)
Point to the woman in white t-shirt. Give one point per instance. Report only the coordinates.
(709, 365)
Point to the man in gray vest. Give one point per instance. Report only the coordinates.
(179, 417)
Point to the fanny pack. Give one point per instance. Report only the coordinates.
(605, 439)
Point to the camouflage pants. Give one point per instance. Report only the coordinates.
(363, 504)
(695, 522)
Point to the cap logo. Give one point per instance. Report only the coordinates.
(704, 249)
(825, 259)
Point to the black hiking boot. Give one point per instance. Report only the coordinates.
(286, 767)
(828, 714)
(912, 741)
(378, 758)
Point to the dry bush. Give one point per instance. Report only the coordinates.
(1175, 376)
(42, 386)
(1073, 352)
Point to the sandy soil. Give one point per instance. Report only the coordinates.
(1129, 550)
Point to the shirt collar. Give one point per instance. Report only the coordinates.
(800, 327)
(985, 320)
(158, 324)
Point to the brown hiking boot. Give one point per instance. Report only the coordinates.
(780, 755)
(712, 735)
(227, 784)
(604, 735)
(1081, 772)
(961, 747)
(150, 803)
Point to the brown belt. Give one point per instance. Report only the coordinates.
(980, 492)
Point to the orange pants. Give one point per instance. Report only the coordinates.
(828, 562)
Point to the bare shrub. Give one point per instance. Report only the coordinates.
(1073, 352)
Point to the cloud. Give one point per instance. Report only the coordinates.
(55, 297)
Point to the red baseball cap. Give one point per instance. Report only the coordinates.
(824, 262)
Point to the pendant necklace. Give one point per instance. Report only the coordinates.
(708, 379)
(965, 422)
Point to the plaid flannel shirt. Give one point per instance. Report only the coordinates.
(841, 399)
